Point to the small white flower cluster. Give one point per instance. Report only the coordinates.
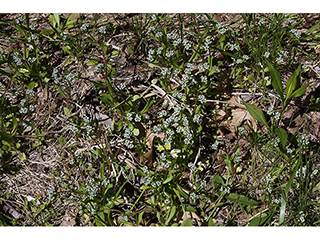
(102, 29)
(266, 54)
(163, 157)
(99, 68)
(129, 37)
(232, 46)
(156, 184)
(301, 172)
(277, 201)
(2, 55)
(19, 20)
(166, 165)
(296, 33)
(128, 143)
(203, 183)
(304, 140)
(282, 54)
(192, 166)
(50, 193)
(120, 86)
(150, 58)
(159, 34)
(194, 196)
(147, 179)
(109, 128)
(176, 72)
(261, 21)
(196, 118)
(92, 188)
(31, 38)
(172, 36)
(289, 150)
(157, 128)
(177, 42)
(71, 161)
(33, 26)
(269, 181)
(315, 171)
(222, 30)
(84, 27)
(32, 59)
(127, 133)
(164, 72)
(154, 17)
(275, 115)
(174, 153)
(203, 67)
(204, 79)
(55, 76)
(215, 111)
(188, 136)
(23, 110)
(30, 92)
(70, 78)
(93, 211)
(31, 108)
(177, 95)
(245, 57)
(167, 201)
(159, 50)
(302, 216)
(186, 44)
(170, 53)
(188, 68)
(202, 99)
(74, 129)
(185, 121)
(241, 130)
(225, 189)
(207, 42)
(151, 29)
(275, 142)
(17, 59)
(23, 102)
(105, 182)
(237, 158)
(215, 145)
(239, 61)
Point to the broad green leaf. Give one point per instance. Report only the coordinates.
(218, 178)
(256, 113)
(107, 99)
(169, 178)
(139, 218)
(211, 223)
(172, 213)
(235, 197)
(66, 111)
(31, 85)
(187, 222)
(92, 62)
(282, 134)
(300, 91)
(190, 209)
(62, 140)
(275, 80)
(259, 220)
(292, 82)
(92, 42)
(251, 78)
(136, 131)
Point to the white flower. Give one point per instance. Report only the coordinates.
(203, 79)
(239, 61)
(174, 153)
(102, 29)
(266, 54)
(166, 201)
(202, 99)
(196, 118)
(261, 21)
(84, 27)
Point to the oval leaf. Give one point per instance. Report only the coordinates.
(256, 113)
(275, 80)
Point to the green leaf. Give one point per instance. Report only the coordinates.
(62, 140)
(107, 99)
(235, 197)
(118, 125)
(92, 62)
(211, 223)
(190, 209)
(259, 220)
(139, 218)
(92, 42)
(169, 178)
(292, 82)
(282, 134)
(300, 91)
(136, 131)
(31, 85)
(172, 213)
(256, 113)
(251, 78)
(66, 111)
(275, 80)
(187, 222)
(147, 106)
